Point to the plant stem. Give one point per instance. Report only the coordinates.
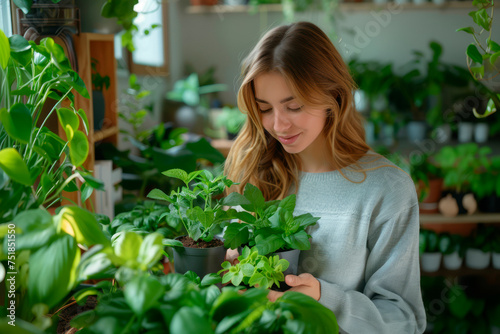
(65, 183)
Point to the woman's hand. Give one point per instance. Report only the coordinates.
(304, 283)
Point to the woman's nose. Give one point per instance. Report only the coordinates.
(281, 121)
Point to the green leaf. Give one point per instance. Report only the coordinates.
(269, 244)
(142, 293)
(68, 117)
(160, 195)
(254, 195)
(494, 57)
(178, 174)
(189, 320)
(474, 54)
(203, 150)
(17, 122)
(4, 50)
(235, 199)
(53, 271)
(84, 118)
(236, 235)
(21, 327)
(20, 50)
(211, 279)
(468, 30)
(490, 109)
(78, 148)
(24, 5)
(85, 192)
(482, 19)
(82, 225)
(14, 166)
(127, 246)
(460, 305)
(300, 240)
(150, 251)
(92, 181)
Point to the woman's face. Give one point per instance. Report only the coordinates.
(297, 127)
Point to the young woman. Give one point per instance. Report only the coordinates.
(304, 136)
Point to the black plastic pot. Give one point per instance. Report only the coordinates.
(202, 261)
(489, 203)
(292, 256)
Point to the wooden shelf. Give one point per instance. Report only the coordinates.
(348, 6)
(463, 271)
(460, 219)
(105, 133)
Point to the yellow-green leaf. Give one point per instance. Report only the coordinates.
(78, 148)
(14, 166)
(4, 50)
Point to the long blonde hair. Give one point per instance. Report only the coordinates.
(318, 77)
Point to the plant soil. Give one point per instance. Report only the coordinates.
(190, 243)
(65, 316)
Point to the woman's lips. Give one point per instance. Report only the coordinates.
(288, 140)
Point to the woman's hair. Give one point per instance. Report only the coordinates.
(318, 77)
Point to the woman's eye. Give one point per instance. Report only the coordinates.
(264, 110)
(294, 108)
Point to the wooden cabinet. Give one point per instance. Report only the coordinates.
(100, 47)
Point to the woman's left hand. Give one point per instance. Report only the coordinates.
(304, 283)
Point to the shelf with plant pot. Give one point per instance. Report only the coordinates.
(95, 55)
(344, 6)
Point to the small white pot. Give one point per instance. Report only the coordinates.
(430, 262)
(442, 134)
(452, 261)
(465, 132)
(416, 131)
(477, 259)
(495, 259)
(481, 132)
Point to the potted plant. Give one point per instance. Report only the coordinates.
(269, 226)
(460, 165)
(487, 185)
(254, 269)
(203, 216)
(426, 175)
(451, 246)
(479, 246)
(99, 84)
(232, 120)
(194, 113)
(430, 257)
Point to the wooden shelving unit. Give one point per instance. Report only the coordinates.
(101, 48)
(345, 6)
(460, 219)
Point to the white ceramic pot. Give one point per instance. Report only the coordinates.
(416, 131)
(442, 134)
(477, 259)
(452, 261)
(465, 132)
(430, 262)
(495, 259)
(481, 132)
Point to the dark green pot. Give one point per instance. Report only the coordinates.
(202, 261)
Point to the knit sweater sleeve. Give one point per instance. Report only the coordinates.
(391, 300)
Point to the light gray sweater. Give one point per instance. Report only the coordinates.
(364, 249)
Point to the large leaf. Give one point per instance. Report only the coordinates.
(53, 271)
(17, 122)
(474, 53)
(142, 292)
(235, 199)
(68, 117)
(4, 50)
(202, 149)
(82, 225)
(254, 195)
(150, 251)
(190, 320)
(236, 235)
(78, 148)
(127, 246)
(24, 5)
(14, 166)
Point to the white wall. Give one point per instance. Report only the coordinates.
(389, 35)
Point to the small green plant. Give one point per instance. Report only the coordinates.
(428, 241)
(450, 243)
(269, 226)
(191, 93)
(423, 169)
(232, 119)
(99, 82)
(198, 209)
(255, 270)
(487, 181)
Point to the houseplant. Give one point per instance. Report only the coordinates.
(254, 269)
(99, 84)
(269, 226)
(460, 165)
(430, 257)
(479, 245)
(183, 304)
(428, 180)
(232, 120)
(36, 163)
(487, 185)
(453, 250)
(203, 216)
(194, 113)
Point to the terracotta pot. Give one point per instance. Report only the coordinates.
(430, 202)
(453, 204)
